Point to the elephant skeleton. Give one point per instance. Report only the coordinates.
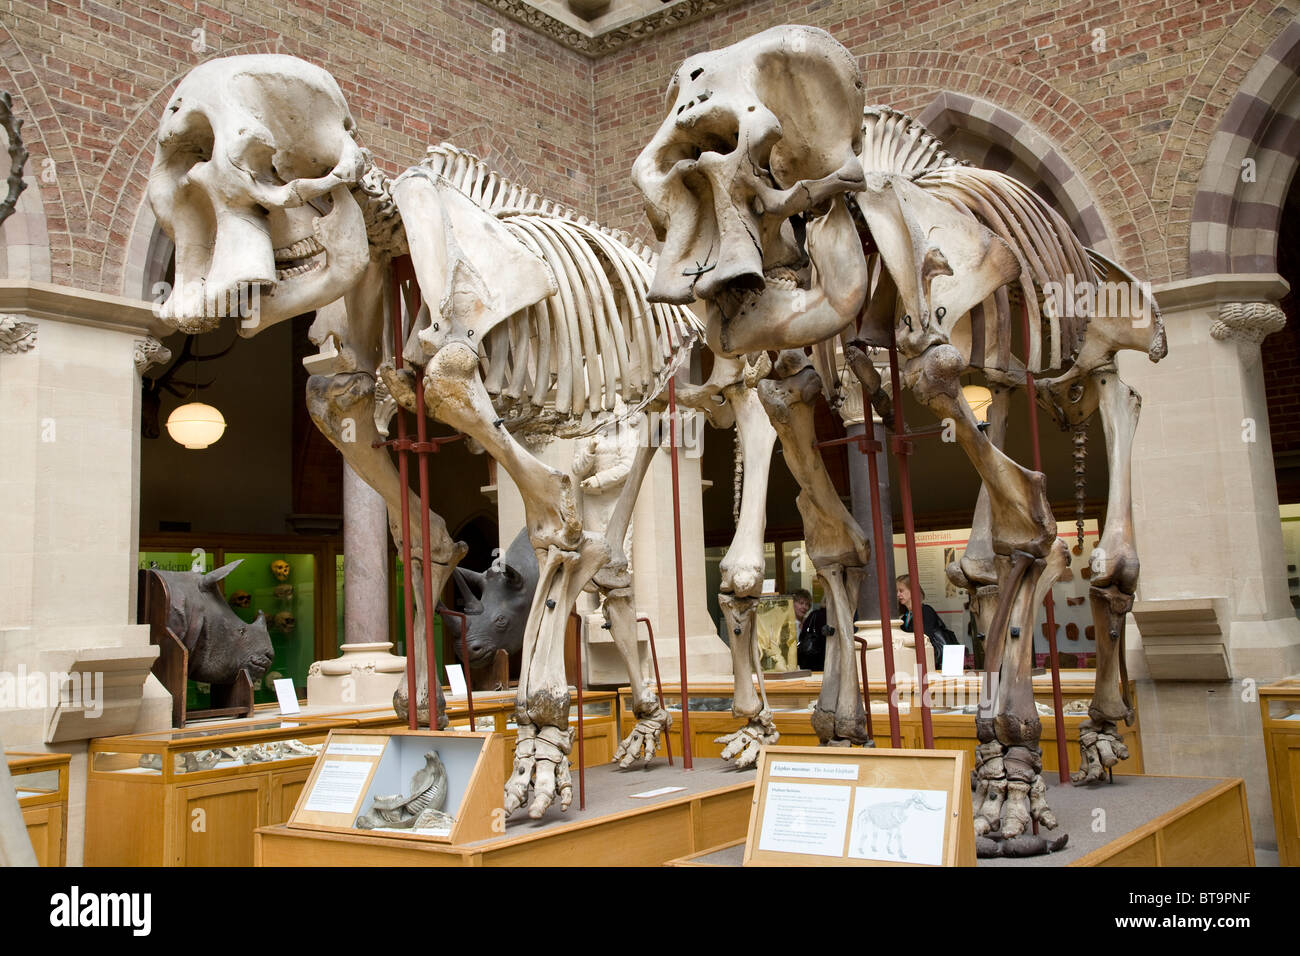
(799, 217)
(532, 322)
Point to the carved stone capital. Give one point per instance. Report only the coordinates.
(1247, 321)
(150, 352)
(16, 335)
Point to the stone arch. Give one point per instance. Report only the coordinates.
(1016, 147)
(1249, 167)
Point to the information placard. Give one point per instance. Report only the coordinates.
(869, 807)
(333, 793)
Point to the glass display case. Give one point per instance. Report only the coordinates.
(1279, 705)
(193, 796)
(41, 784)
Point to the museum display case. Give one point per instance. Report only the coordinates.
(41, 783)
(193, 797)
(1279, 706)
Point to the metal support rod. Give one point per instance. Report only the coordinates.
(395, 306)
(882, 590)
(869, 448)
(446, 612)
(1058, 711)
(582, 763)
(866, 689)
(426, 544)
(677, 551)
(903, 450)
(659, 685)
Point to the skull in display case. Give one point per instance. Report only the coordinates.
(280, 569)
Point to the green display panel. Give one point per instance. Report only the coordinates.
(283, 586)
(399, 629)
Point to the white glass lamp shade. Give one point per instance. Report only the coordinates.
(196, 425)
(979, 399)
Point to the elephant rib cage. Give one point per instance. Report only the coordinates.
(1046, 249)
(560, 365)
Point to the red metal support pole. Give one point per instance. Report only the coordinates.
(1058, 713)
(868, 448)
(659, 685)
(582, 753)
(681, 596)
(399, 337)
(903, 450)
(422, 453)
(866, 688)
(882, 590)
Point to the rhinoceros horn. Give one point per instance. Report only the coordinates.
(210, 579)
(470, 586)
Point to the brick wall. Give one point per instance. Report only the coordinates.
(91, 80)
(1135, 120)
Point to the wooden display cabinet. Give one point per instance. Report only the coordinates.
(163, 799)
(41, 783)
(791, 702)
(1279, 706)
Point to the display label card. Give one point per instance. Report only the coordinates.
(954, 660)
(347, 749)
(647, 794)
(806, 818)
(339, 786)
(898, 825)
(456, 677)
(815, 771)
(287, 696)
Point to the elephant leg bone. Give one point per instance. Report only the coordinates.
(542, 700)
(455, 394)
(652, 720)
(1114, 582)
(342, 406)
(838, 548)
(742, 580)
(743, 746)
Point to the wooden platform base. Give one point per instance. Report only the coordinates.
(1148, 821)
(616, 829)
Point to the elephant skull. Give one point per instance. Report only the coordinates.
(744, 185)
(252, 181)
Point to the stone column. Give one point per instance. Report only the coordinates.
(365, 562)
(367, 673)
(70, 365)
(1213, 586)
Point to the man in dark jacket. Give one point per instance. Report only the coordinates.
(934, 628)
(812, 636)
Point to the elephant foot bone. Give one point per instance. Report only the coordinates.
(743, 746)
(1100, 748)
(838, 729)
(643, 742)
(542, 761)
